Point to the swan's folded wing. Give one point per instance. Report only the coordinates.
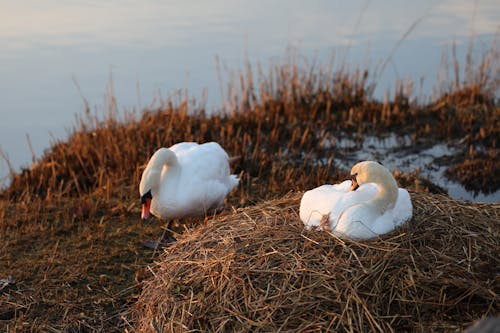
(357, 222)
(317, 203)
(403, 210)
(200, 198)
(183, 147)
(349, 198)
(205, 162)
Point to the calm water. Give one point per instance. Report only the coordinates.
(153, 48)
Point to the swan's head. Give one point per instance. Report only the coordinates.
(374, 172)
(370, 172)
(146, 199)
(145, 191)
(151, 176)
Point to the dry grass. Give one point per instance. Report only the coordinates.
(282, 125)
(464, 172)
(74, 261)
(258, 270)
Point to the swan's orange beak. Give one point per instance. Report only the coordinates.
(354, 182)
(146, 205)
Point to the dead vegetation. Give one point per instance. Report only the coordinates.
(258, 270)
(278, 124)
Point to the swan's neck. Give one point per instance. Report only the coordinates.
(164, 157)
(387, 194)
(163, 160)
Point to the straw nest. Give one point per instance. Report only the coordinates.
(257, 269)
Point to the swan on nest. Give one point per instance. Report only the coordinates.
(368, 205)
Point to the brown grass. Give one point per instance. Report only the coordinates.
(465, 171)
(258, 270)
(278, 125)
(75, 262)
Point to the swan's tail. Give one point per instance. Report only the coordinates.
(233, 181)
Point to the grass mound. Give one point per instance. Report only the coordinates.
(259, 270)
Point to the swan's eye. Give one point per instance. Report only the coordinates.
(353, 177)
(146, 196)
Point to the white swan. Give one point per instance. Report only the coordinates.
(187, 179)
(368, 205)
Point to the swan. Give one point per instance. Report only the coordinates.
(368, 205)
(187, 179)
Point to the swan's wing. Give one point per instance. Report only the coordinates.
(205, 178)
(392, 218)
(332, 200)
(403, 210)
(181, 147)
(384, 223)
(357, 222)
(349, 198)
(362, 220)
(197, 199)
(317, 203)
(205, 162)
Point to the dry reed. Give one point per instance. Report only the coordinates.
(279, 122)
